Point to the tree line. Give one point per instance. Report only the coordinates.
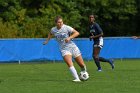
(34, 18)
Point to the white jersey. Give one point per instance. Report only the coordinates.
(68, 48)
(61, 35)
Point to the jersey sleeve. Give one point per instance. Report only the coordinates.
(69, 29)
(99, 28)
(52, 31)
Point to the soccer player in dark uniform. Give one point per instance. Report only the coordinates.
(96, 34)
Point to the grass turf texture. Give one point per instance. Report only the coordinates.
(56, 78)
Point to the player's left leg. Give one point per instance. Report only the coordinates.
(110, 61)
(78, 58)
(81, 63)
(67, 56)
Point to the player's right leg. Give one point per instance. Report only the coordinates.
(81, 63)
(96, 52)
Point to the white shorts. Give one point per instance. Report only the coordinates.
(99, 44)
(74, 51)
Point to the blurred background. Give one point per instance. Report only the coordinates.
(34, 18)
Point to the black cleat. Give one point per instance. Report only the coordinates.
(112, 63)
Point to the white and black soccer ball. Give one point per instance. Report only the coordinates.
(83, 76)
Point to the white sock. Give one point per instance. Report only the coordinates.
(74, 72)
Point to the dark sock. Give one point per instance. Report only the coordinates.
(97, 63)
(104, 59)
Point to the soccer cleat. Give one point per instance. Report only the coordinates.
(111, 61)
(76, 80)
(99, 70)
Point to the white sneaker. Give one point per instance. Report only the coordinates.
(99, 70)
(76, 80)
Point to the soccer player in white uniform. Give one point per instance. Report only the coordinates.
(64, 35)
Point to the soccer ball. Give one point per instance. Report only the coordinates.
(83, 76)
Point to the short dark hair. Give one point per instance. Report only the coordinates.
(57, 18)
(95, 16)
(91, 15)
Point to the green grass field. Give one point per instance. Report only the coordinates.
(56, 78)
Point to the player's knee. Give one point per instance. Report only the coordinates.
(95, 57)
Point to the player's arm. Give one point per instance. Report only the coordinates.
(73, 35)
(97, 36)
(100, 31)
(136, 37)
(48, 38)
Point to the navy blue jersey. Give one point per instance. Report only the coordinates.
(95, 29)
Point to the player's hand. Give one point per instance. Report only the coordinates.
(67, 40)
(91, 37)
(44, 43)
(135, 37)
